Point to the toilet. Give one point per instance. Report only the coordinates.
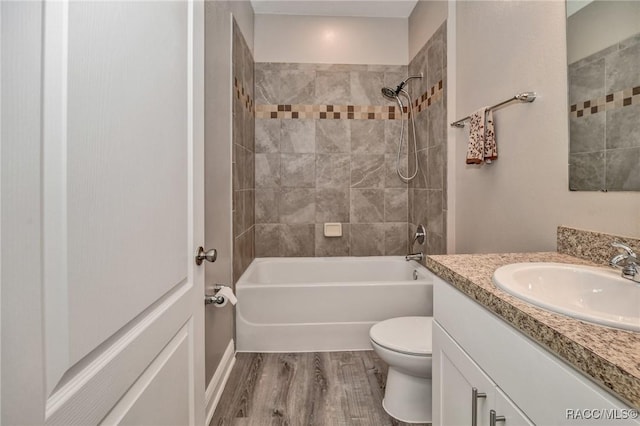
(405, 345)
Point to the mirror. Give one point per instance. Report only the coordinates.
(603, 53)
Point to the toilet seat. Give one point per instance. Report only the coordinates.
(407, 335)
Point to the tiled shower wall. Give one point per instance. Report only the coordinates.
(604, 95)
(428, 191)
(325, 152)
(243, 155)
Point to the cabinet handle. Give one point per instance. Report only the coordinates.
(493, 418)
(474, 405)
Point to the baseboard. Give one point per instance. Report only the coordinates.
(219, 380)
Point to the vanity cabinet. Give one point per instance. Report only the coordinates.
(513, 375)
(467, 395)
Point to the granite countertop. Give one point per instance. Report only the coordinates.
(609, 356)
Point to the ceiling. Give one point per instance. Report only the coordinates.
(361, 8)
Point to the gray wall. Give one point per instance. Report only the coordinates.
(517, 203)
(218, 173)
(599, 25)
(428, 191)
(243, 155)
(317, 161)
(426, 17)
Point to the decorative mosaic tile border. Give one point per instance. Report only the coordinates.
(615, 100)
(349, 112)
(243, 97)
(336, 112)
(430, 96)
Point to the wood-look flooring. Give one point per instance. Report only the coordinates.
(305, 389)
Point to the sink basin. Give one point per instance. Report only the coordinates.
(591, 294)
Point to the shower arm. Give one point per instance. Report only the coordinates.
(421, 75)
(404, 82)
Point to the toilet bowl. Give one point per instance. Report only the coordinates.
(405, 345)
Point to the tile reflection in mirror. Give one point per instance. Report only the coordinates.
(603, 49)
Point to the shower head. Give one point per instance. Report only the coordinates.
(389, 93)
(392, 94)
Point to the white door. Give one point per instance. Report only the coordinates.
(102, 212)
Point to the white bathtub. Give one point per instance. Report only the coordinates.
(325, 304)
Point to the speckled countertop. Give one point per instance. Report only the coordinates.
(609, 356)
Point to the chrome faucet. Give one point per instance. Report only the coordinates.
(627, 262)
(418, 237)
(414, 256)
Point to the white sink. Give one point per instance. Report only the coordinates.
(591, 294)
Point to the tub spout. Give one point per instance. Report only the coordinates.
(414, 256)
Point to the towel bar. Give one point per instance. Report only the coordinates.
(522, 97)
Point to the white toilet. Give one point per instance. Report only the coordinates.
(405, 344)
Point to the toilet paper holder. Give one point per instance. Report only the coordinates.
(214, 298)
(210, 299)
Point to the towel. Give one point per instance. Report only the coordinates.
(475, 150)
(490, 144)
(482, 137)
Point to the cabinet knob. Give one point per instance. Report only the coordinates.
(493, 418)
(474, 405)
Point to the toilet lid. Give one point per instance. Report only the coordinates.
(411, 335)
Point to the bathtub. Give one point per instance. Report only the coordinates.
(325, 304)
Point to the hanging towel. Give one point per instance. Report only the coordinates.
(482, 137)
(475, 150)
(490, 144)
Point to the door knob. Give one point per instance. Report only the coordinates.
(209, 255)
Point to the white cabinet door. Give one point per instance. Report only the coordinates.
(102, 210)
(507, 409)
(455, 376)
